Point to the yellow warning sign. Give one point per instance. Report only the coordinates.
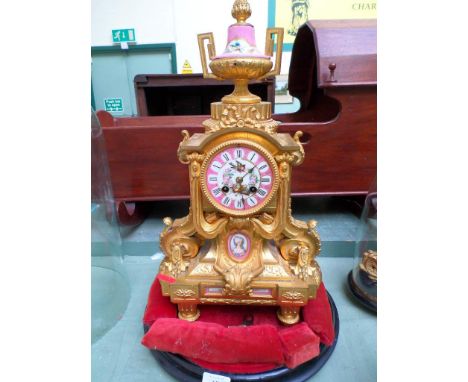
(186, 68)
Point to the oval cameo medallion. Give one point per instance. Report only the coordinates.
(238, 245)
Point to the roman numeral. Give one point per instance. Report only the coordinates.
(265, 179)
(216, 166)
(261, 192)
(239, 153)
(226, 156)
(239, 203)
(212, 179)
(226, 201)
(253, 156)
(216, 191)
(263, 166)
(251, 201)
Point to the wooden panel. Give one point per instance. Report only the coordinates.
(349, 44)
(143, 159)
(338, 120)
(340, 155)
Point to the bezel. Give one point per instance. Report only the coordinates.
(249, 144)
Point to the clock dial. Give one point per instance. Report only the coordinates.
(239, 179)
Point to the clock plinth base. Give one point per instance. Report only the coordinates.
(204, 283)
(288, 315)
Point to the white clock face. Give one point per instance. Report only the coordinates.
(239, 179)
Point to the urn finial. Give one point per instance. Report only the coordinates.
(241, 11)
(241, 61)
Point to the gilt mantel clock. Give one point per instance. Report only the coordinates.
(239, 243)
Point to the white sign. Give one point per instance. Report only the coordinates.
(208, 377)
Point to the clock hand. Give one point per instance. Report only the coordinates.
(249, 172)
(246, 192)
(240, 167)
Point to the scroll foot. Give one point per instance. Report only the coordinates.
(131, 214)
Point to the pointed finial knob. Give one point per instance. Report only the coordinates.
(241, 10)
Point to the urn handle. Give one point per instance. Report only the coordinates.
(211, 53)
(269, 46)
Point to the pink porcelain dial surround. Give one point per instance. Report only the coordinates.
(239, 179)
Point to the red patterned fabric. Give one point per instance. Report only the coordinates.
(217, 340)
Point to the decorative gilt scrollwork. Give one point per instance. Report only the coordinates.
(178, 245)
(301, 154)
(184, 293)
(266, 218)
(174, 263)
(369, 264)
(182, 238)
(238, 279)
(196, 157)
(274, 271)
(236, 301)
(254, 116)
(182, 155)
(301, 259)
(294, 158)
(185, 135)
(293, 295)
(203, 269)
(242, 116)
(239, 116)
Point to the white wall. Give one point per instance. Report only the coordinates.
(177, 21)
(153, 20)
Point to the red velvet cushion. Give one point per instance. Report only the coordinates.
(218, 342)
(299, 343)
(317, 314)
(158, 306)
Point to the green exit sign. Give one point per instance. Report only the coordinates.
(113, 104)
(123, 35)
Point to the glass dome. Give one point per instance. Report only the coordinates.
(110, 289)
(362, 279)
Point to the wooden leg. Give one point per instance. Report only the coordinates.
(131, 213)
(288, 315)
(188, 312)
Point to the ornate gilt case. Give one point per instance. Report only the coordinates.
(239, 243)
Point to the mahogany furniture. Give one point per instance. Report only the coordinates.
(187, 94)
(333, 73)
